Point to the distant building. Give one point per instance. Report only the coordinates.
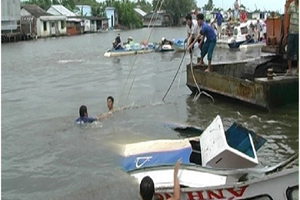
(259, 15)
(160, 18)
(75, 25)
(112, 17)
(140, 13)
(85, 10)
(37, 22)
(10, 15)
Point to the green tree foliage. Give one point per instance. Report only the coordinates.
(44, 4)
(209, 6)
(176, 8)
(126, 14)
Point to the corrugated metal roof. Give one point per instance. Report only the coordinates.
(35, 10)
(141, 12)
(54, 18)
(63, 10)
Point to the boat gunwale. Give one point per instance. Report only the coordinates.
(275, 175)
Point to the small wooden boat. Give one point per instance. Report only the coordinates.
(281, 185)
(136, 49)
(114, 53)
(164, 48)
(179, 45)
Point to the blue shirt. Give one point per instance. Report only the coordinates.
(219, 18)
(207, 31)
(82, 120)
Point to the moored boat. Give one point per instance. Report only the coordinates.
(247, 81)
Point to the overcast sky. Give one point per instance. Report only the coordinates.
(273, 5)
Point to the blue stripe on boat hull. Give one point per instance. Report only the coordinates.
(157, 159)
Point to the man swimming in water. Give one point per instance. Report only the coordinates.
(147, 190)
(110, 105)
(83, 116)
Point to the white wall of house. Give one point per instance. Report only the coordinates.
(59, 23)
(93, 26)
(10, 14)
(62, 27)
(110, 14)
(256, 15)
(87, 25)
(43, 28)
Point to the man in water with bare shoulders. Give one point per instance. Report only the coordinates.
(110, 105)
(147, 190)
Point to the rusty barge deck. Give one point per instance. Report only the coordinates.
(247, 82)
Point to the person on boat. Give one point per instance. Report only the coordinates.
(193, 30)
(147, 188)
(210, 43)
(83, 116)
(243, 15)
(110, 106)
(130, 41)
(165, 41)
(236, 10)
(219, 19)
(259, 29)
(249, 39)
(293, 36)
(230, 15)
(213, 26)
(118, 44)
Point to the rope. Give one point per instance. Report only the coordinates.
(178, 85)
(118, 99)
(143, 54)
(175, 75)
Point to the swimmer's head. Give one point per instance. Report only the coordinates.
(83, 111)
(147, 188)
(110, 102)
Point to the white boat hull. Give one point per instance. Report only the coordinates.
(276, 186)
(252, 45)
(163, 178)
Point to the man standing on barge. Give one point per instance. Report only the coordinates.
(293, 36)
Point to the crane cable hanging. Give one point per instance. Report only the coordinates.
(118, 99)
(161, 3)
(196, 97)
